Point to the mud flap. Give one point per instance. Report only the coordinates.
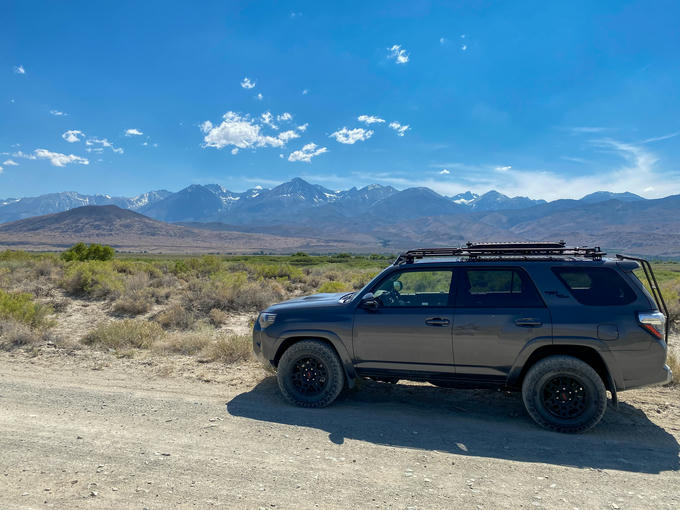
(611, 386)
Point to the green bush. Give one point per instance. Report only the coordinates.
(81, 252)
(93, 278)
(335, 287)
(19, 306)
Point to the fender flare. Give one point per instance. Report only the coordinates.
(329, 336)
(614, 379)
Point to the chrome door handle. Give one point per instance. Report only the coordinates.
(437, 321)
(528, 322)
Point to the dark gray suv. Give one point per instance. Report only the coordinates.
(563, 325)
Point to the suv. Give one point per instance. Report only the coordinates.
(562, 325)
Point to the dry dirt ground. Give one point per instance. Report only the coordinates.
(83, 429)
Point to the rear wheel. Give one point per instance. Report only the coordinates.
(564, 394)
(310, 374)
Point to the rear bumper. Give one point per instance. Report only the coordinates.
(663, 376)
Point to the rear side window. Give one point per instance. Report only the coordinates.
(596, 286)
(496, 288)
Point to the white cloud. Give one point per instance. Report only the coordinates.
(259, 97)
(268, 119)
(442, 40)
(398, 54)
(445, 172)
(502, 168)
(587, 129)
(234, 151)
(98, 144)
(19, 70)
(57, 113)
(247, 84)
(307, 153)
(463, 47)
(0, 169)
(303, 127)
(305, 92)
(56, 158)
(133, 132)
(73, 135)
(399, 128)
(660, 138)
(284, 117)
(351, 136)
(242, 132)
(370, 119)
(10, 162)
(285, 136)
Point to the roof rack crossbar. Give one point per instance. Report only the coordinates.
(500, 250)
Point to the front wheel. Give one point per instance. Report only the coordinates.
(564, 394)
(310, 374)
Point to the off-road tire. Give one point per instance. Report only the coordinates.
(325, 357)
(539, 381)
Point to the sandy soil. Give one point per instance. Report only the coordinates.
(86, 429)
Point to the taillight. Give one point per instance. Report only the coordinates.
(654, 323)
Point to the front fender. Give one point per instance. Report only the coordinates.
(286, 338)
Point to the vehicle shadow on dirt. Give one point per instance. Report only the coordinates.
(480, 423)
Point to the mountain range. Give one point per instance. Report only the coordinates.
(383, 218)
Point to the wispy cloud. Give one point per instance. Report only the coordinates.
(73, 135)
(133, 132)
(259, 96)
(307, 152)
(370, 119)
(57, 113)
(660, 138)
(268, 119)
(503, 168)
(247, 84)
(97, 145)
(305, 92)
(284, 117)
(399, 128)
(398, 54)
(10, 162)
(19, 69)
(55, 158)
(303, 127)
(587, 129)
(445, 172)
(351, 136)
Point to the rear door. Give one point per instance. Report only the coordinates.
(498, 310)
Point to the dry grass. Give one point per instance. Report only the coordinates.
(217, 317)
(125, 334)
(14, 334)
(229, 349)
(674, 363)
(186, 343)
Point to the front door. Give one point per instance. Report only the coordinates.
(498, 310)
(411, 329)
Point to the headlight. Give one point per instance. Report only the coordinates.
(266, 319)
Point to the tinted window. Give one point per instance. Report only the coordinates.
(596, 286)
(499, 288)
(415, 288)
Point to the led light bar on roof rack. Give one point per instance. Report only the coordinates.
(528, 251)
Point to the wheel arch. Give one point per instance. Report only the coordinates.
(326, 337)
(587, 354)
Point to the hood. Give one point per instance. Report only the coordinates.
(315, 300)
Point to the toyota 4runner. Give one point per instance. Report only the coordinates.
(562, 325)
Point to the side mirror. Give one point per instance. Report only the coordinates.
(369, 302)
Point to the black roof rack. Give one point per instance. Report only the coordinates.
(527, 251)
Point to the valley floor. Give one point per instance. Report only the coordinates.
(83, 428)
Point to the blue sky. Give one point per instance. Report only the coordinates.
(543, 99)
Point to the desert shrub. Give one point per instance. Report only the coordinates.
(45, 266)
(81, 252)
(335, 287)
(15, 334)
(674, 363)
(217, 317)
(20, 307)
(278, 271)
(671, 294)
(125, 334)
(95, 279)
(176, 317)
(229, 349)
(137, 298)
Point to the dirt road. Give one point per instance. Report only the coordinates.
(90, 430)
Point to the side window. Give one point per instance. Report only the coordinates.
(596, 286)
(497, 288)
(415, 289)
